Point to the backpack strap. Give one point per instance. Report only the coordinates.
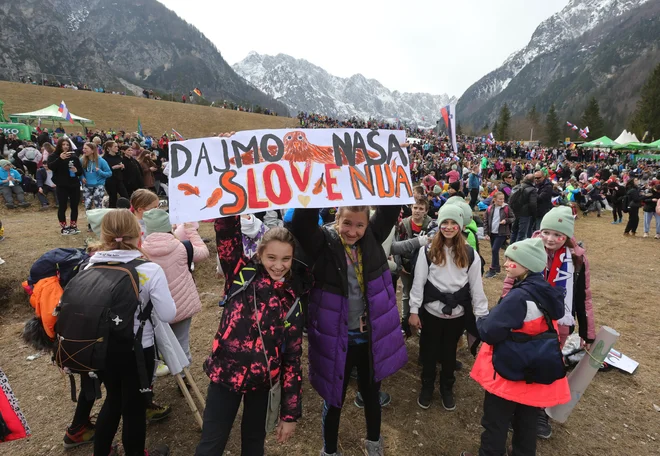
(189, 252)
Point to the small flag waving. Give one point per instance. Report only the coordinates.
(139, 127)
(177, 135)
(490, 139)
(198, 92)
(64, 111)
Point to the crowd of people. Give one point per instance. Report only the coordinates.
(332, 274)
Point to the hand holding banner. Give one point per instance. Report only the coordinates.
(260, 170)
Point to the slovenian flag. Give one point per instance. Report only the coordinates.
(584, 133)
(64, 111)
(569, 124)
(177, 135)
(490, 139)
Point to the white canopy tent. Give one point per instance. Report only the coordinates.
(626, 137)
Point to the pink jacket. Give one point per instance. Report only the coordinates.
(170, 254)
(584, 312)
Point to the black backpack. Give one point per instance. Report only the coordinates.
(62, 262)
(515, 200)
(95, 316)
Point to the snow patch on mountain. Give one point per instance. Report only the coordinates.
(76, 18)
(303, 86)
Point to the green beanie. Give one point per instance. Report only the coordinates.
(465, 207)
(529, 253)
(437, 190)
(451, 212)
(95, 217)
(4, 163)
(559, 219)
(157, 221)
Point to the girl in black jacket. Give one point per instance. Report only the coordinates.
(633, 203)
(67, 170)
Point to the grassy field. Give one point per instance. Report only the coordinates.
(121, 112)
(615, 416)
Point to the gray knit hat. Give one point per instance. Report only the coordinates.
(157, 221)
(559, 219)
(465, 207)
(529, 253)
(451, 212)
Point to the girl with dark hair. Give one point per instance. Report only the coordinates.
(67, 170)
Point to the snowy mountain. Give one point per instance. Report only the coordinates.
(117, 44)
(577, 19)
(303, 86)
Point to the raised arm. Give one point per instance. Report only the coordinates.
(383, 220)
(307, 231)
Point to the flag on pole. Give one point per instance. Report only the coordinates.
(140, 127)
(449, 115)
(490, 139)
(177, 135)
(64, 111)
(569, 124)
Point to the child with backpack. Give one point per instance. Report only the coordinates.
(352, 291)
(257, 349)
(520, 364)
(171, 254)
(143, 200)
(567, 268)
(446, 296)
(118, 277)
(497, 228)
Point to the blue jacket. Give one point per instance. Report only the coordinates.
(473, 181)
(96, 178)
(4, 175)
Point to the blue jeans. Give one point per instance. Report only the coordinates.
(523, 227)
(496, 242)
(648, 216)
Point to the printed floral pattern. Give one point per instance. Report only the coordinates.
(237, 360)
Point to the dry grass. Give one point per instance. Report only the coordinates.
(121, 112)
(615, 417)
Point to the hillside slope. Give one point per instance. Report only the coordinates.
(122, 112)
(97, 42)
(610, 61)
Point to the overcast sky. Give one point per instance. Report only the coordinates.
(436, 46)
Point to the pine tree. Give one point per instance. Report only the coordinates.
(552, 130)
(502, 133)
(496, 127)
(533, 116)
(592, 119)
(647, 115)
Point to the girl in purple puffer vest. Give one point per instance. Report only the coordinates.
(353, 319)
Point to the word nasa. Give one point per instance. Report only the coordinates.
(260, 174)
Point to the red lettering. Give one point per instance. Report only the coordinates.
(301, 180)
(285, 189)
(254, 202)
(331, 182)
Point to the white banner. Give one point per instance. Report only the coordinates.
(261, 170)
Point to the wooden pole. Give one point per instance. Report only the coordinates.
(195, 389)
(189, 399)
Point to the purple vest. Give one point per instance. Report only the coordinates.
(328, 337)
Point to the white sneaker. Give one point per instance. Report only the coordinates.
(2, 261)
(646, 235)
(162, 370)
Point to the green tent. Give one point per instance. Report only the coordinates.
(654, 145)
(603, 142)
(632, 146)
(49, 114)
